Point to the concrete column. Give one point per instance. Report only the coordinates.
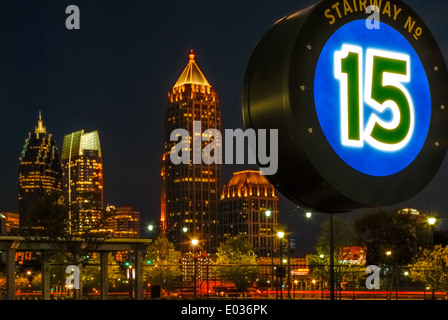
(45, 270)
(10, 274)
(104, 261)
(78, 292)
(139, 274)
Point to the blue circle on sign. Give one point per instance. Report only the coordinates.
(366, 154)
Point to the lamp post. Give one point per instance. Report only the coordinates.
(391, 276)
(194, 243)
(268, 214)
(432, 221)
(288, 296)
(280, 235)
(406, 274)
(294, 289)
(150, 227)
(289, 254)
(308, 215)
(331, 259)
(322, 277)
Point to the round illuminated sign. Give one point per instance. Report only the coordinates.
(373, 127)
(359, 98)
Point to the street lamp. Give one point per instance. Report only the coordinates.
(308, 214)
(280, 235)
(184, 229)
(194, 242)
(389, 253)
(295, 286)
(432, 221)
(268, 214)
(151, 229)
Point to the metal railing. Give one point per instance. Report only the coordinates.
(211, 281)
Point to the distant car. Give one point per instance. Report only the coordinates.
(252, 292)
(232, 292)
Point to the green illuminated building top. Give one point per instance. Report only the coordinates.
(76, 142)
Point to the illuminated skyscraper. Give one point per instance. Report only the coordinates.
(249, 207)
(82, 165)
(9, 223)
(40, 168)
(163, 198)
(190, 191)
(124, 222)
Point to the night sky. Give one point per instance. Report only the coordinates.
(113, 75)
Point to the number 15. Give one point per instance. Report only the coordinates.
(382, 89)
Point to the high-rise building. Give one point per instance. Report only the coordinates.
(124, 222)
(163, 198)
(82, 165)
(190, 191)
(249, 207)
(9, 223)
(40, 169)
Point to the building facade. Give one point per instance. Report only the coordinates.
(189, 192)
(82, 165)
(124, 222)
(249, 207)
(40, 170)
(9, 223)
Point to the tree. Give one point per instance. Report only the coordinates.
(92, 272)
(440, 237)
(344, 236)
(74, 230)
(163, 268)
(237, 262)
(393, 238)
(28, 283)
(2, 282)
(432, 268)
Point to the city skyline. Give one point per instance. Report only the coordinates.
(113, 77)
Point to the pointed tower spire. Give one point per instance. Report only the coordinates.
(40, 125)
(192, 74)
